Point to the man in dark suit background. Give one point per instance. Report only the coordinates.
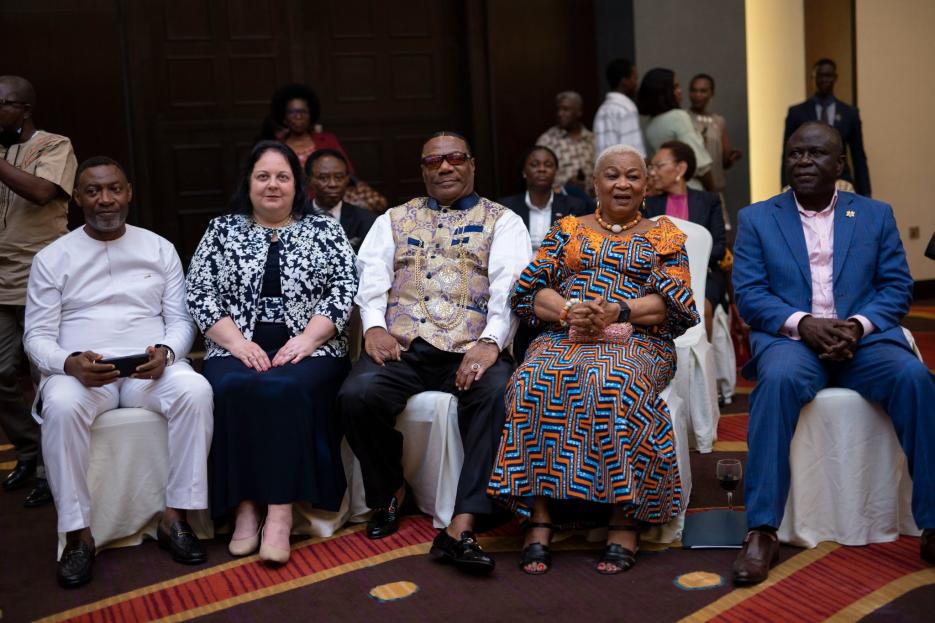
(821, 278)
(540, 207)
(328, 178)
(825, 107)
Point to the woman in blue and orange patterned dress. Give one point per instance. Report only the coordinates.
(585, 420)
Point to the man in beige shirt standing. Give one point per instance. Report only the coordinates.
(37, 172)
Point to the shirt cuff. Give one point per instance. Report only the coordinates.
(370, 319)
(497, 332)
(790, 328)
(866, 324)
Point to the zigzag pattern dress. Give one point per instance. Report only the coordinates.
(585, 420)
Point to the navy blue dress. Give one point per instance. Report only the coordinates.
(277, 438)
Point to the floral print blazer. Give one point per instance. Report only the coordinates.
(316, 268)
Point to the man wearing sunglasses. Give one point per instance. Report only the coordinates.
(37, 173)
(436, 275)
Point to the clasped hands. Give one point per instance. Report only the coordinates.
(832, 339)
(84, 366)
(592, 317)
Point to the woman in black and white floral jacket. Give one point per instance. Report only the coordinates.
(271, 285)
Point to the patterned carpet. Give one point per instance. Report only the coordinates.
(349, 578)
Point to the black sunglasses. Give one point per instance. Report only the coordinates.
(4, 102)
(454, 159)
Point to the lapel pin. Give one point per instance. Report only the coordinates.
(850, 214)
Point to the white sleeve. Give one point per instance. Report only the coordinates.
(631, 134)
(43, 319)
(180, 328)
(510, 253)
(375, 268)
(603, 130)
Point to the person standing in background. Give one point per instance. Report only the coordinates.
(617, 121)
(572, 143)
(713, 129)
(825, 107)
(37, 173)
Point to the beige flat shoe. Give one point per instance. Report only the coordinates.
(247, 545)
(274, 555)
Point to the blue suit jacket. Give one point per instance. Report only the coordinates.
(772, 277)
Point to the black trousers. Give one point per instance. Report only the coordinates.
(373, 395)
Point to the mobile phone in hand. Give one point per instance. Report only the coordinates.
(126, 365)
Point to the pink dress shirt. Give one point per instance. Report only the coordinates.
(818, 228)
(677, 206)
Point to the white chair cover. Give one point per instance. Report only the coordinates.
(725, 360)
(694, 380)
(432, 457)
(127, 475)
(850, 481)
(672, 531)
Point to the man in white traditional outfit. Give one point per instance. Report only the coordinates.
(108, 290)
(436, 274)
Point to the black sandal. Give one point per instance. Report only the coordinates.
(620, 557)
(536, 552)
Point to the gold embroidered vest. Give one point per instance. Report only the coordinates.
(440, 284)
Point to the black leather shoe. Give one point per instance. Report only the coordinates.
(74, 567)
(465, 554)
(927, 545)
(40, 495)
(182, 543)
(384, 521)
(20, 475)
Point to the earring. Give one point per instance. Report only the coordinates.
(678, 178)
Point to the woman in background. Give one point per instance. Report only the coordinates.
(658, 99)
(671, 169)
(713, 129)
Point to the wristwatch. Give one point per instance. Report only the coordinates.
(490, 340)
(624, 312)
(170, 354)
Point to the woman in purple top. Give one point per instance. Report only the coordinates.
(671, 168)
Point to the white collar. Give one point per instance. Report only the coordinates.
(531, 206)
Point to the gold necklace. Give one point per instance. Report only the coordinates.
(462, 290)
(616, 227)
(274, 229)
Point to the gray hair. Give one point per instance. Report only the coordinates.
(574, 96)
(619, 150)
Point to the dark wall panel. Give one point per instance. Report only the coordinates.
(537, 48)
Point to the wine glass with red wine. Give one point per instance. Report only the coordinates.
(729, 472)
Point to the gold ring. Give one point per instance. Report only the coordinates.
(475, 367)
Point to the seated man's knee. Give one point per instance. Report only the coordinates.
(358, 393)
(914, 374)
(61, 407)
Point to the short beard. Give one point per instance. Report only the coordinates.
(8, 138)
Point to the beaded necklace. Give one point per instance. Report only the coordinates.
(616, 227)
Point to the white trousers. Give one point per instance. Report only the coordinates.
(181, 395)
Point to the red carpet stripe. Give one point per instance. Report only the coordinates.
(830, 584)
(732, 428)
(206, 589)
(254, 576)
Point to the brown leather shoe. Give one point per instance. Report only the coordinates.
(760, 551)
(927, 545)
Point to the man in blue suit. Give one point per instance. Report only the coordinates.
(825, 107)
(821, 278)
